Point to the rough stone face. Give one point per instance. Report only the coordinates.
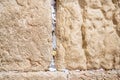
(102, 47)
(73, 75)
(94, 75)
(25, 34)
(33, 76)
(88, 34)
(69, 37)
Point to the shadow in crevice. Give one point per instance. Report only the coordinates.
(118, 31)
(82, 3)
(115, 22)
(83, 32)
(117, 27)
(117, 2)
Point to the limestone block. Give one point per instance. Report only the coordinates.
(88, 34)
(73, 75)
(69, 38)
(103, 42)
(25, 35)
(94, 75)
(33, 76)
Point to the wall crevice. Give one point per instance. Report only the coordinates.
(54, 47)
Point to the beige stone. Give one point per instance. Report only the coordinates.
(73, 75)
(33, 76)
(88, 34)
(94, 75)
(25, 35)
(103, 43)
(69, 37)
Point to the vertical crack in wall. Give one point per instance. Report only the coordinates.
(84, 42)
(53, 11)
(84, 45)
(53, 7)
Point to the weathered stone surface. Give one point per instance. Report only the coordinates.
(33, 76)
(69, 38)
(102, 41)
(94, 75)
(25, 34)
(73, 75)
(88, 34)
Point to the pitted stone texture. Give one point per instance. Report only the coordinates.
(33, 76)
(69, 38)
(94, 75)
(88, 34)
(73, 75)
(25, 34)
(102, 41)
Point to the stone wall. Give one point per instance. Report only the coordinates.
(88, 34)
(73, 75)
(25, 35)
(88, 40)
